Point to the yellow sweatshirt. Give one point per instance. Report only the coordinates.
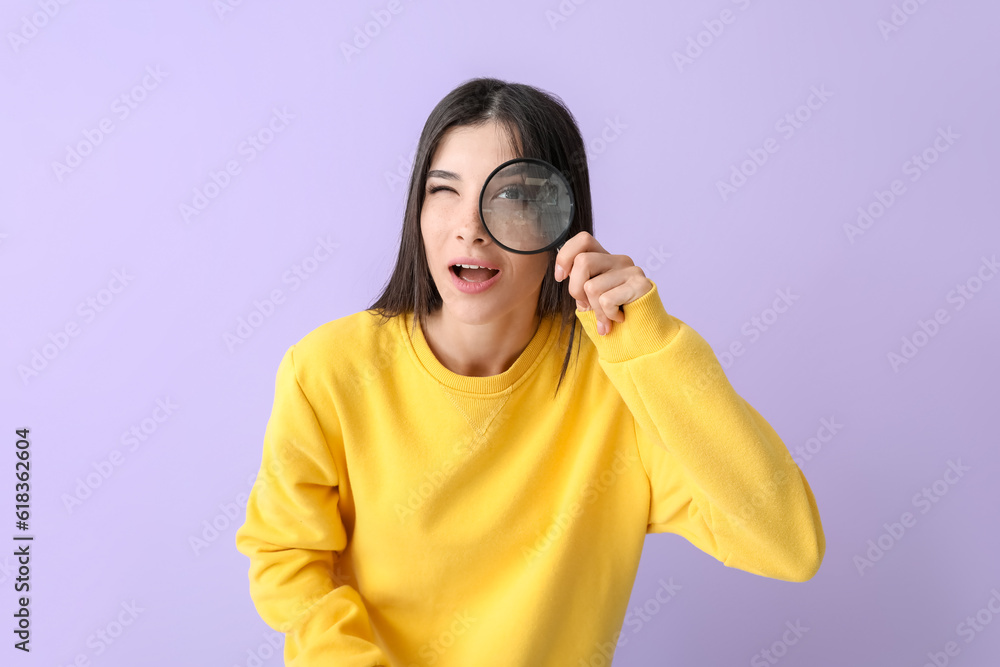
(406, 515)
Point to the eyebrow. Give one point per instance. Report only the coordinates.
(514, 170)
(440, 173)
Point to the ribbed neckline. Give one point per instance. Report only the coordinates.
(545, 336)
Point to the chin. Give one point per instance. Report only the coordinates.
(474, 313)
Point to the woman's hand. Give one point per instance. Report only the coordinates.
(600, 280)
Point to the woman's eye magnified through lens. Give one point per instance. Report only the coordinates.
(526, 206)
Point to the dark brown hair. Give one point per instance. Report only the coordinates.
(548, 131)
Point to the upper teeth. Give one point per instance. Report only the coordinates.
(471, 266)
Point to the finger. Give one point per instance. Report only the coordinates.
(611, 303)
(565, 258)
(586, 266)
(602, 290)
(613, 290)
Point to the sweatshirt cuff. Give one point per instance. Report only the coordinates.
(647, 328)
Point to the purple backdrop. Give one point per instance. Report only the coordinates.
(190, 187)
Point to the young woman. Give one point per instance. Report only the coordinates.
(464, 473)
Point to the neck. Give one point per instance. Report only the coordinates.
(481, 349)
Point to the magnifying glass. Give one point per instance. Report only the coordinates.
(526, 206)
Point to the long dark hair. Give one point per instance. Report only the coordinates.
(547, 131)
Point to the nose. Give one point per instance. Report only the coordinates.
(471, 226)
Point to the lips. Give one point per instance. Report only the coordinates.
(457, 270)
(463, 285)
(472, 261)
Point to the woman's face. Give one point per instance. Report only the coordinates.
(452, 230)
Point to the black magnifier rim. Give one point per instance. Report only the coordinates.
(569, 190)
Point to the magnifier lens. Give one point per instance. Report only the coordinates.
(526, 205)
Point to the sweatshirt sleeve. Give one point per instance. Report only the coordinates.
(719, 475)
(293, 535)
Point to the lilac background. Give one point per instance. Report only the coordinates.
(329, 173)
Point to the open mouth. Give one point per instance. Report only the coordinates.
(473, 274)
